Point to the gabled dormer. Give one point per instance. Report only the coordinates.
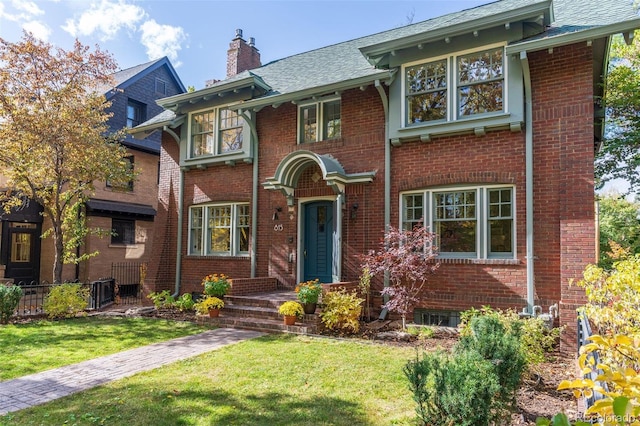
(454, 75)
(213, 128)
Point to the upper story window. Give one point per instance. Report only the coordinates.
(475, 222)
(135, 113)
(129, 185)
(219, 229)
(480, 82)
(457, 86)
(319, 121)
(216, 131)
(161, 86)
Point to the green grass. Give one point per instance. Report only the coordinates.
(42, 345)
(272, 380)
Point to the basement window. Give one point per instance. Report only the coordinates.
(437, 317)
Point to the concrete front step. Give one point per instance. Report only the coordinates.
(260, 324)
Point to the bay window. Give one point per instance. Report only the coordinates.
(475, 222)
(219, 229)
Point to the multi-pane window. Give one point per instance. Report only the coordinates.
(215, 131)
(135, 113)
(123, 231)
(219, 229)
(455, 221)
(500, 221)
(468, 222)
(320, 121)
(455, 87)
(426, 86)
(480, 82)
(230, 134)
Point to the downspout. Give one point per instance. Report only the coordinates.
(178, 280)
(254, 191)
(387, 177)
(526, 73)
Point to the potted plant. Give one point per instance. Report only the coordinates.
(209, 305)
(308, 294)
(290, 310)
(216, 285)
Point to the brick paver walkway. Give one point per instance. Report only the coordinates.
(43, 387)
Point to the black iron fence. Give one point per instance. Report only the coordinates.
(129, 277)
(101, 294)
(584, 332)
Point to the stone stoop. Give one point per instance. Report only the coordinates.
(260, 312)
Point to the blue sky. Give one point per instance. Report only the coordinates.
(195, 34)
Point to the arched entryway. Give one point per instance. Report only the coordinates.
(319, 243)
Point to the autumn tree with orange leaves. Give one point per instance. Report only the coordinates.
(53, 135)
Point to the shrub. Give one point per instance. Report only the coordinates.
(613, 296)
(9, 299)
(341, 311)
(185, 302)
(66, 300)
(500, 346)
(613, 305)
(476, 385)
(452, 390)
(163, 299)
(536, 339)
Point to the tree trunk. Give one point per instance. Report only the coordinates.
(58, 255)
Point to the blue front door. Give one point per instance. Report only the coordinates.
(317, 247)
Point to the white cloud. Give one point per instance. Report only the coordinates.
(29, 7)
(22, 11)
(162, 40)
(105, 19)
(38, 29)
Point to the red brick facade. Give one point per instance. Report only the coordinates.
(564, 224)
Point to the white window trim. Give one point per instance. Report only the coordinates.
(234, 236)
(319, 117)
(452, 86)
(216, 134)
(482, 218)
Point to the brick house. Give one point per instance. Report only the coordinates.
(481, 123)
(129, 211)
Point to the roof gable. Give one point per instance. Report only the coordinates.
(129, 76)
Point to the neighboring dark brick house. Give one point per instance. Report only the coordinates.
(483, 123)
(130, 211)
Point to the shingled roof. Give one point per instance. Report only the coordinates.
(345, 64)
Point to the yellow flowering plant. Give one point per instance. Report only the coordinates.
(203, 306)
(309, 291)
(216, 284)
(291, 308)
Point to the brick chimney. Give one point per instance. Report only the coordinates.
(241, 55)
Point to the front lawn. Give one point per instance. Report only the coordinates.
(41, 345)
(273, 380)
